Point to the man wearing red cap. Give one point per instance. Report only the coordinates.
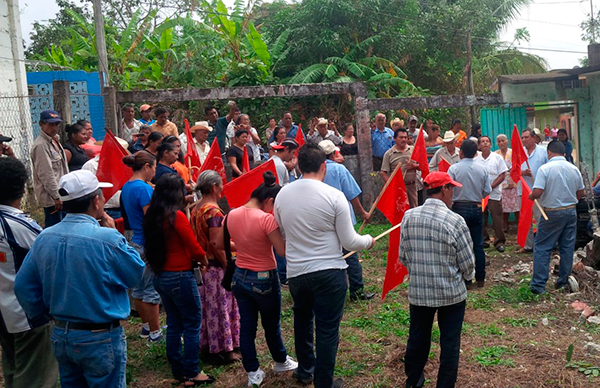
(437, 250)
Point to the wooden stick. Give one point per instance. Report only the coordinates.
(390, 230)
(540, 208)
(385, 186)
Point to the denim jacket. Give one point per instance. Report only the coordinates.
(78, 271)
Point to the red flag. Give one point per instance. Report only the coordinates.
(299, 138)
(419, 154)
(111, 168)
(518, 155)
(245, 161)
(525, 214)
(214, 162)
(192, 159)
(238, 191)
(484, 203)
(393, 204)
(443, 166)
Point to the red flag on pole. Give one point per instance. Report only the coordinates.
(245, 161)
(192, 159)
(525, 214)
(443, 166)
(299, 138)
(214, 162)
(419, 154)
(393, 204)
(111, 168)
(238, 191)
(518, 155)
(484, 203)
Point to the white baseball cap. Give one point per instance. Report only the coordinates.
(79, 183)
(328, 147)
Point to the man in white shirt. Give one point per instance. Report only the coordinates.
(284, 152)
(496, 168)
(315, 219)
(200, 132)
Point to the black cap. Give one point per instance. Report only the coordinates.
(5, 139)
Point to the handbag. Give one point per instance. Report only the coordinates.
(230, 269)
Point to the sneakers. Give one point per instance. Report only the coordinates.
(256, 378)
(155, 339)
(304, 381)
(289, 364)
(144, 333)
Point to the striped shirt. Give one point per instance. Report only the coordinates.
(437, 250)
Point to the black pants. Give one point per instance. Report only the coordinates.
(355, 275)
(450, 319)
(318, 297)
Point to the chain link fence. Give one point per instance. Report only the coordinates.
(15, 122)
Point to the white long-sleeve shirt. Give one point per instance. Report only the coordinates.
(315, 219)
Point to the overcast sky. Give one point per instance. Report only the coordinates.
(552, 24)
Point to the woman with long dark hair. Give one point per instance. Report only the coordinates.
(76, 137)
(178, 165)
(255, 284)
(154, 140)
(135, 200)
(562, 136)
(220, 332)
(171, 248)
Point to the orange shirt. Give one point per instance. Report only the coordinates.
(182, 171)
(168, 129)
(461, 137)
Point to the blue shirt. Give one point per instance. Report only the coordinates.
(78, 271)
(560, 181)
(147, 122)
(538, 157)
(340, 178)
(292, 133)
(134, 196)
(161, 170)
(135, 147)
(381, 141)
(474, 179)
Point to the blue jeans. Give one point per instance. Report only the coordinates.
(471, 212)
(90, 359)
(281, 267)
(319, 297)
(181, 300)
(51, 217)
(258, 292)
(355, 276)
(561, 227)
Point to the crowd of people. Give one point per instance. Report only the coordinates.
(215, 272)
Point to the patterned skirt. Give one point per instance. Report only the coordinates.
(511, 202)
(220, 330)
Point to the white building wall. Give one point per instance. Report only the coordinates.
(15, 120)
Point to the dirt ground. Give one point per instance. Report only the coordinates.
(511, 338)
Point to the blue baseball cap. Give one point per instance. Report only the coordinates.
(50, 116)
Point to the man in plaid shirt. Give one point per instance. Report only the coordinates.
(437, 250)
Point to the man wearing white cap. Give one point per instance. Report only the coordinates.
(78, 273)
(448, 152)
(320, 133)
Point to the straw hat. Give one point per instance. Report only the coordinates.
(122, 142)
(322, 121)
(449, 136)
(201, 125)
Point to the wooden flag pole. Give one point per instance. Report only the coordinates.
(390, 230)
(385, 186)
(540, 208)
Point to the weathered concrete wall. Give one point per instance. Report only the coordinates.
(534, 92)
(593, 82)
(585, 126)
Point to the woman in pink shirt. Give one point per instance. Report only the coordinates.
(255, 283)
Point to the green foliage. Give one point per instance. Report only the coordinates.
(489, 331)
(494, 355)
(520, 322)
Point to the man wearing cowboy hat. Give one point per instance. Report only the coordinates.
(200, 132)
(320, 132)
(448, 152)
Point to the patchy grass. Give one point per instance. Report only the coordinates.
(494, 355)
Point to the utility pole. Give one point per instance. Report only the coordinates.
(592, 21)
(101, 43)
(470, 85)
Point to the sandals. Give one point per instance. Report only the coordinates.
(195, 383)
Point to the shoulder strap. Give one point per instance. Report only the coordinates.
(227, 241)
